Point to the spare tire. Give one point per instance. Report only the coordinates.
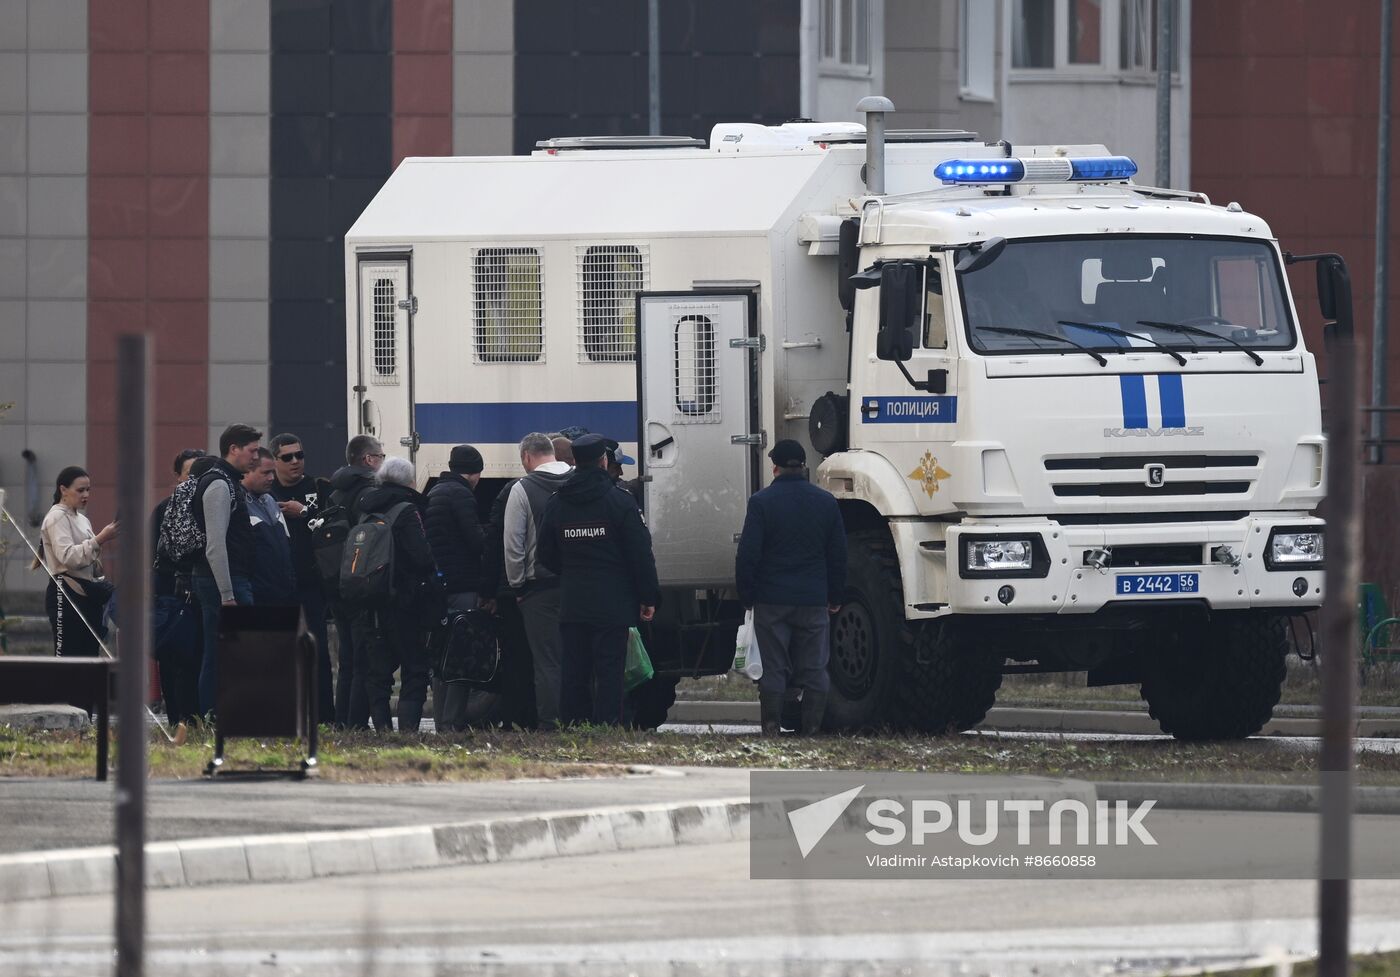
(826, 425)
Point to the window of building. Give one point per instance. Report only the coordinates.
(977, 20)
(610, 276)
(1055, 33)
(843, 33)
(697, 373)
(1137, 47)
(508, 289)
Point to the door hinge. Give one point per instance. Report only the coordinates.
(412, 442)
(758, 440)
(759, 343)
(409, 305)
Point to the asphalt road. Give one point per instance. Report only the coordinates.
(689, 911)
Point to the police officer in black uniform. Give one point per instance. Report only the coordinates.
(593, 537)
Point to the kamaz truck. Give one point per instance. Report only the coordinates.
(1070, 420)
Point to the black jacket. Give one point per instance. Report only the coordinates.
(414, 568)
(793, 550)
(299, 528)
(454, 533)
(493, 558)
(273, 575)
(593, 537)
(348, 484)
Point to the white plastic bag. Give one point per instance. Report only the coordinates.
(746, 657)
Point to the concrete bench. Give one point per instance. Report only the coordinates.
(82, 682)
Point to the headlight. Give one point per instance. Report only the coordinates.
(999, 554)
(1291, 547)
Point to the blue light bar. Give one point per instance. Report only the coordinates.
(1036, 169)
(980, 171)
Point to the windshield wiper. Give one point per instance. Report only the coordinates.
(1037, 334)
(1115, 331)
(1197, 331)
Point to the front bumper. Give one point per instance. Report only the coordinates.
(1071, 586)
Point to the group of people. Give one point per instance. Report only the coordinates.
(566, 542)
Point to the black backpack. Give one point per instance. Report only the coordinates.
(328, 533)
(467, 648)
(367, 559)
(181, 534)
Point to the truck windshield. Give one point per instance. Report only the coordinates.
(1228, 287)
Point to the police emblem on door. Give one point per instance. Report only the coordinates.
(1156, 475)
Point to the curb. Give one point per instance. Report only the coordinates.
(298, 857)
(1025, 719)
(1265, 798)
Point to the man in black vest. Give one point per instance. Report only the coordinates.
(593, 537)
(363, 456)
(222, 574)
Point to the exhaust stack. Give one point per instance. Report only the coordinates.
(875, 107)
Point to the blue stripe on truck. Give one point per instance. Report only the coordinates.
(1134, 392)
(1173, 400)
(509, 422)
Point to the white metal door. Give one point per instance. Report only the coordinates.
(386, 365)
(699, 435)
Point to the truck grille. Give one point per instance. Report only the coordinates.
(1120, 476)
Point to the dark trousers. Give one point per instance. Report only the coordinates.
(794, 643)
(313, 605)
(71, 637)
(395, 640)
(177, 636)
(351, 704)
(206, 591)
(591, 666)
(451, 702)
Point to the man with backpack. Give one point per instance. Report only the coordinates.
(386, 569)
(340, 511)
(222, 575)
(454, 534)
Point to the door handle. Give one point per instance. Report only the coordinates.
(365, 421)
(656, 448)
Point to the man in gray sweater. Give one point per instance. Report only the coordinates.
(222, 574)
(536, 588)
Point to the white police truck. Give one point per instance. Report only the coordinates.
(1070, 420)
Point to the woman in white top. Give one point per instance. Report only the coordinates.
(71, 551)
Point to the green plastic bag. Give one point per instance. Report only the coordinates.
(638, 668)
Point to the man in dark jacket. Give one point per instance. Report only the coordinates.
(454, 535)
(791, 570)
(393, 636)
(363, 456)
(222, 573)
(593, 537)
(298, 498)
(175, 627)
(273, 578)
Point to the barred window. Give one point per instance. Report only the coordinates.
(610, 276)
(385, 334)
(508, 286)
(697, 378)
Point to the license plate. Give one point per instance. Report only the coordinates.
(1159, 583)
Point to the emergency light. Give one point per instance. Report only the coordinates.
(1037, 169)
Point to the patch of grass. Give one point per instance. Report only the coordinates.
(498, 754)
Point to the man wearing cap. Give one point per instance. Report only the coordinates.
(791, 570)
(632, 486)
(594, 538)
(536, 588)
(454, 534)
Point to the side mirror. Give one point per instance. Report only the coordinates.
(847, 262)
(1326, 292)
(982, 256)
(901, 302)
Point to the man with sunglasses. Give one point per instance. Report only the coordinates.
(298, 499)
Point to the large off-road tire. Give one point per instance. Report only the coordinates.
(887, 671)
(1219, 680)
